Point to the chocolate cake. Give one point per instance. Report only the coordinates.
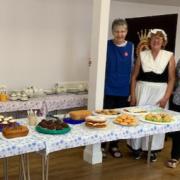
(52, 126)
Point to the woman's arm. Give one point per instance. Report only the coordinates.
(170, 85)
(133, 81)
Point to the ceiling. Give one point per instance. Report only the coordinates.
(159, 2)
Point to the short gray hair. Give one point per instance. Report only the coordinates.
(119, 22)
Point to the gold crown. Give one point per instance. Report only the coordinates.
(143, 35)
(143, 41)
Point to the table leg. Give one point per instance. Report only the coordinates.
(23, 167)
(149, 149)
(5, 168)
(45, 167)
(27, 166)
(20, 169)
(93, 154)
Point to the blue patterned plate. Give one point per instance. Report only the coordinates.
(71, 121)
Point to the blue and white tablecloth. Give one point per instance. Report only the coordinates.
(46, 103)
(18, 146)
(64, 101)
(81, 135)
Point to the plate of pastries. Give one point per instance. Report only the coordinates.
(97, 122)
(135, 111)
(7, 122)
(158, 118)
(126, 120)
(108, 113)
(52, 126)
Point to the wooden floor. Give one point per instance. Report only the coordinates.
(69, 165)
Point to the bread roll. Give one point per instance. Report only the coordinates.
(80, 114)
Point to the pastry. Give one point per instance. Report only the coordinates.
(80, 114)
(126, 120)
(1, 117)
(107, 112)
(15, 131)
(159, 117)
(95, 121)
(7, 122)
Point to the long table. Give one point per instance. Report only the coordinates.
(46, 104)
(80, 135)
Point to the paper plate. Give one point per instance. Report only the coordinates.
(135, 111)
(106, 116)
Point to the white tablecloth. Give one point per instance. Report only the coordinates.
(64, 101)
(18, 146)
(12, 106)
(81, 135)
(46, 103)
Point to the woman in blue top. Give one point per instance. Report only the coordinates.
(120, 57)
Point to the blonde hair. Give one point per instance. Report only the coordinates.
(158, 34)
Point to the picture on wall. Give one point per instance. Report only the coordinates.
(139, 27)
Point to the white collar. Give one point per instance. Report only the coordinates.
(121, 45)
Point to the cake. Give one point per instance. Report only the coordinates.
(80, 114)
(95, 122)
(15, 131)
(52, 126)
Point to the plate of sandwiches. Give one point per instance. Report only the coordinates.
(158, 118)
(126, 120)
(107, 113)
(96, 122)
(135, 111)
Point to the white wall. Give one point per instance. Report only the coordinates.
(129, 10)
(47, 41)
(44, 41)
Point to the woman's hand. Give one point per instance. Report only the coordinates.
(162, 102)
(133, 101)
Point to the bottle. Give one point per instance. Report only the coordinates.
(32, 118)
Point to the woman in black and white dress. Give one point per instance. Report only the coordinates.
(152, 84)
